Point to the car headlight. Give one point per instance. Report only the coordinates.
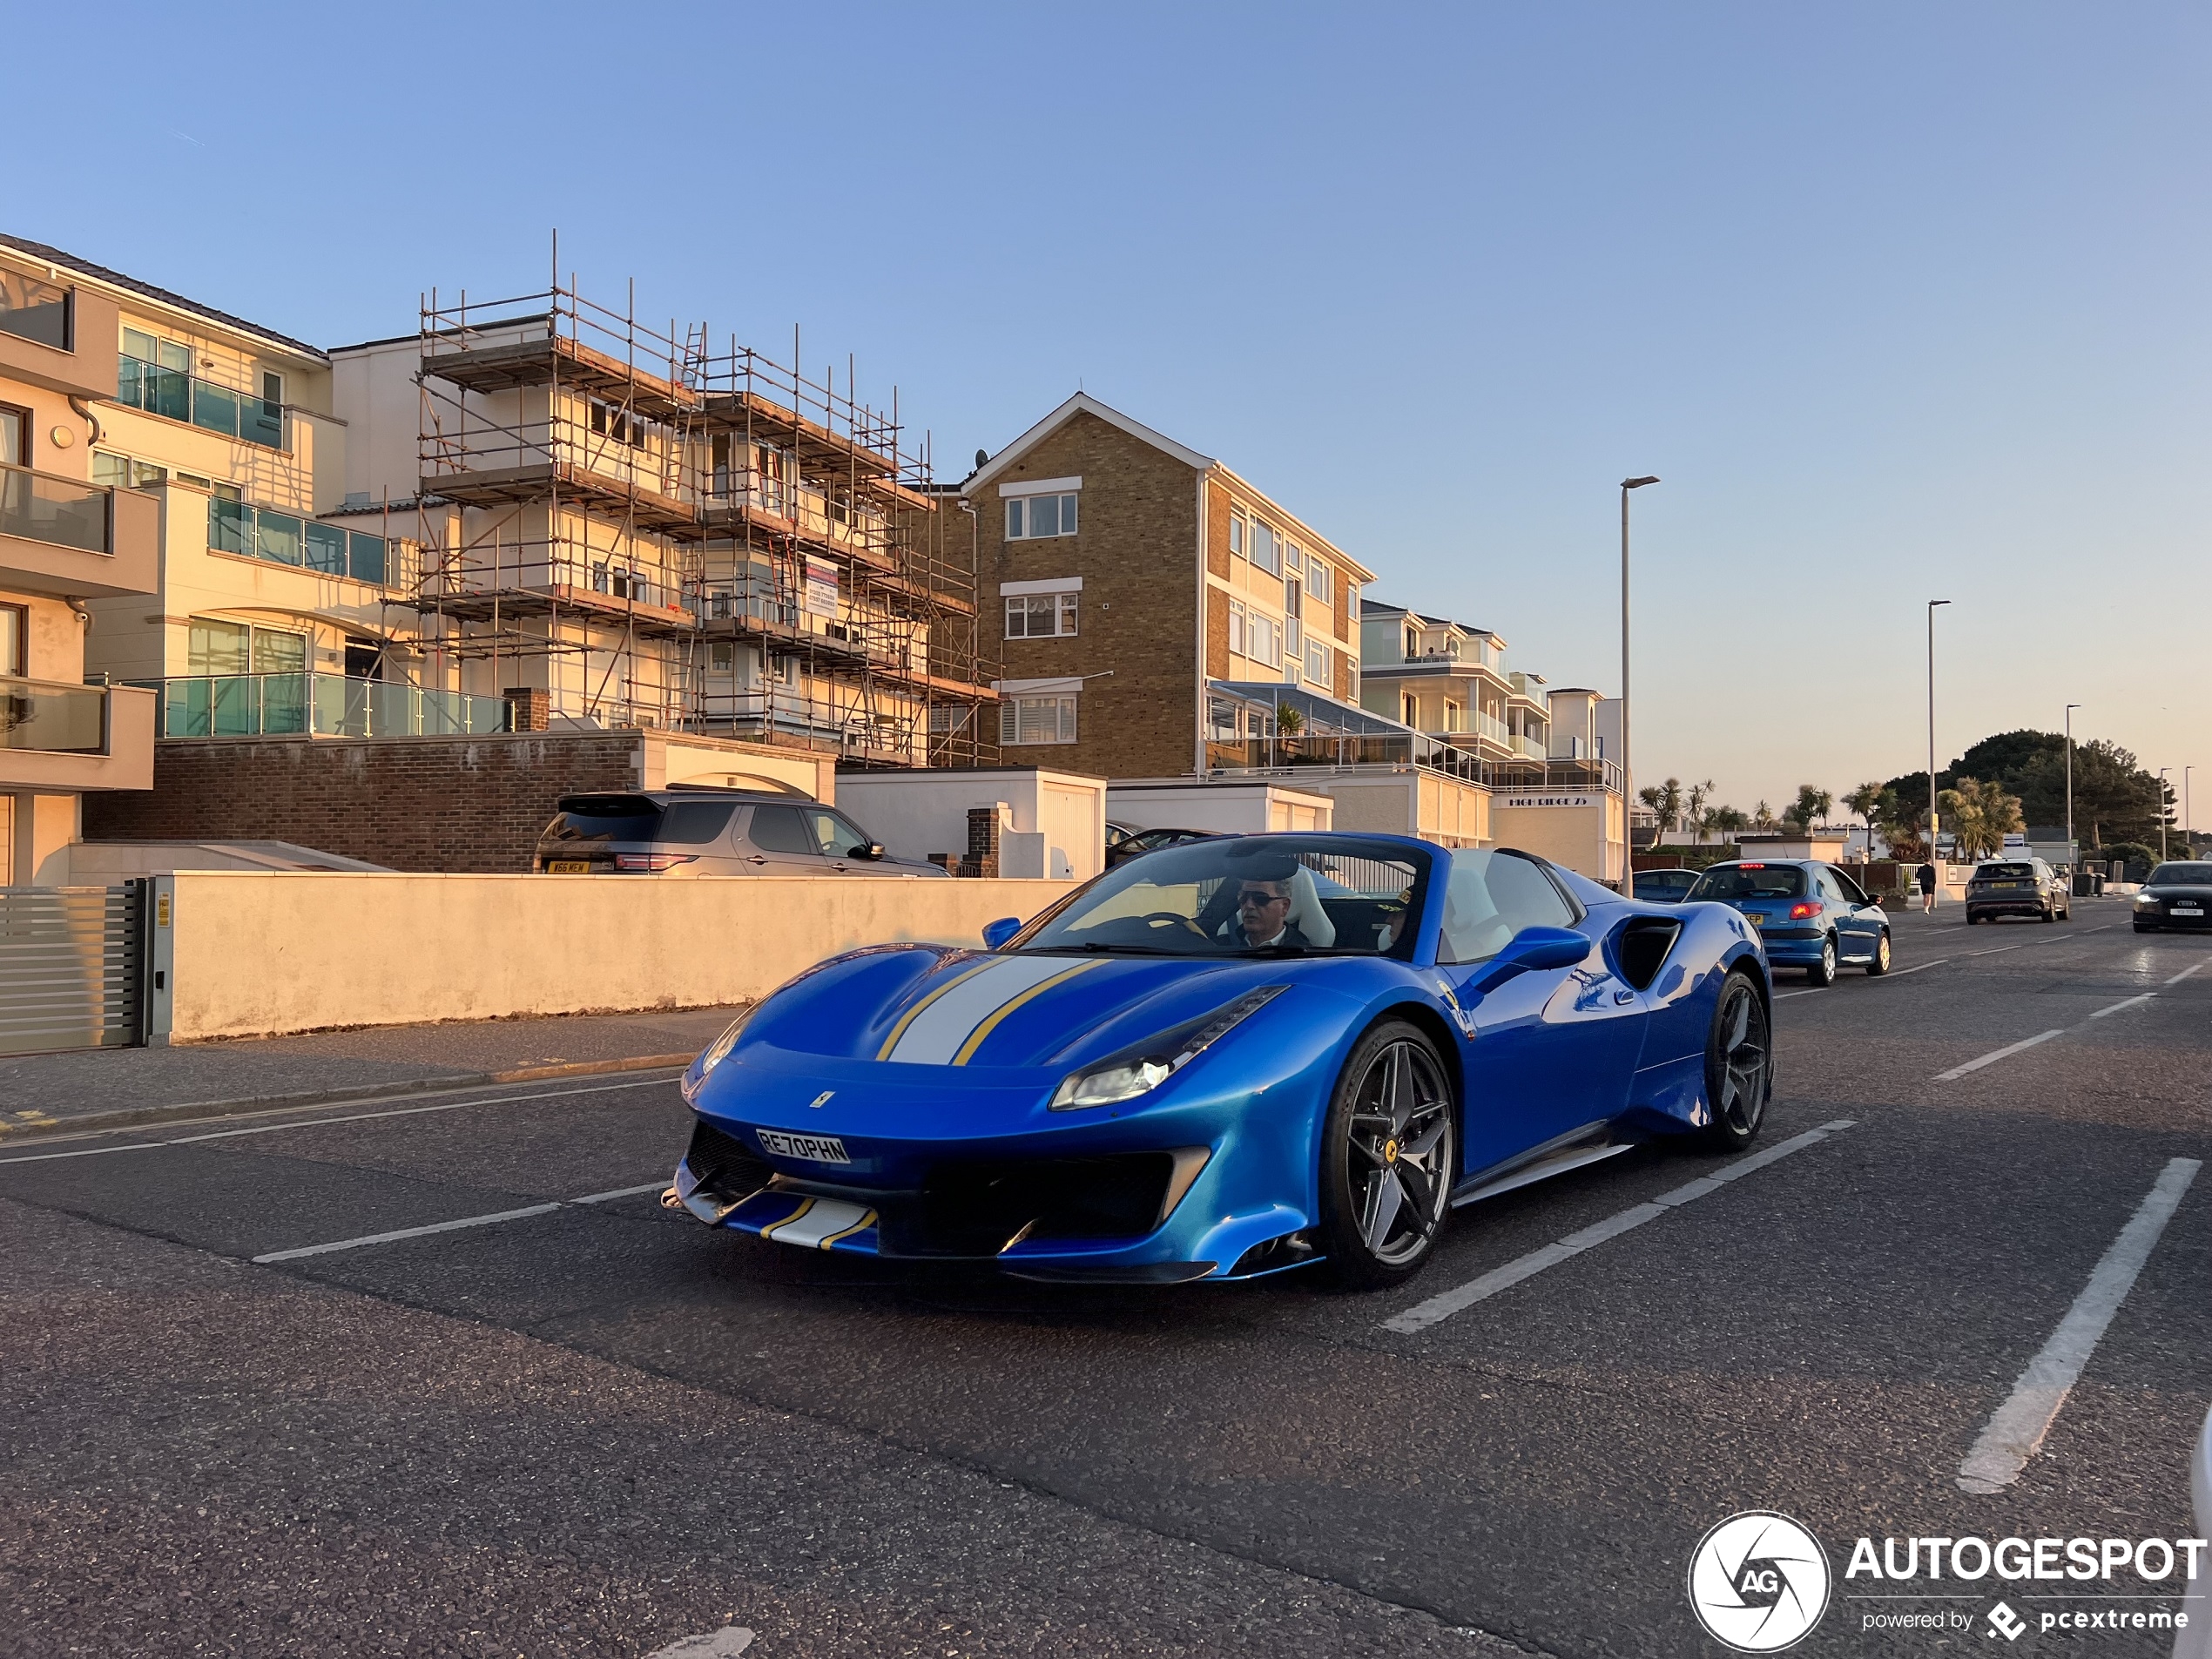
(1134, 1071)
(719, 1050)
(2146, 898)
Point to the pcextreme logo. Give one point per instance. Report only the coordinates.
(1759, 1581)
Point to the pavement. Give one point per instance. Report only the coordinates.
(442, 1377)
(41, 1093)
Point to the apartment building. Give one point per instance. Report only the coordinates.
(70, 539)
(275, 610)
(1544, 757)
(621, 527)
(1155, 613)
(1450, 681)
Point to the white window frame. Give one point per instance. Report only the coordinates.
(1263, 534)
(1316, 661)
(1061, 606)
(1237, 627)
(1017, 707)
(1235, 535)
(1318, 586)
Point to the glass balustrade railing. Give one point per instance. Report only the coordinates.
(286, 538)
(322, 705)
(52, 718)
(66, 511)
(180, 396)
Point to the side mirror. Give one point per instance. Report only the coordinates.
(995, 933)
(868, 850)
(1530, 951)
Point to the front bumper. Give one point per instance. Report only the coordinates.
(2166, 918)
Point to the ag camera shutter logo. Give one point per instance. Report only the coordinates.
(1759, 1581)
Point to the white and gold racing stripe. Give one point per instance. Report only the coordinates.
(819, 1223)
(946, 1027)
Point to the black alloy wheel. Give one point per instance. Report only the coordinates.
(1880, 962)
(1388, 1158)
(1824, 971)
(1739, 1066)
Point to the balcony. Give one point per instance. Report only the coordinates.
(60, 736)
(63, 536)
(180, 396)
(320, 706)
(286, 539)
(57, 337)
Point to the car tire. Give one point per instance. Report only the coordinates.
(1880, 963)
(1384, 1204)
(1824, 972)
(2050, 912)
(1739, 1066)
(1971, 919)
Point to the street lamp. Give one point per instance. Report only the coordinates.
(2162, 771)
(1627, 794)
(2069, 780)
(1932, 603)
(2188, 822)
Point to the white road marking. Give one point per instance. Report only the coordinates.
(1957, 1072)
(462, 1222)
(2015, 1433)
(2132, 1002)
(1443, 1306)
(1899, 973)
(322, 1123)
(2185, 973)
(726, 1643)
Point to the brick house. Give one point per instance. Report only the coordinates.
(1155, 613)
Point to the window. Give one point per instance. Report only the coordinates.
(1317, 581)
(1491, 896)
(1030, 518)
(13, 629)
(836, 836)
(694, 823)
(1409, 709)
(1040, 616)
(610, 421)
(1293, 560)
(1037, 719)
(722, 657)
(1237, 534)
(1412, 644)
(122, 472)
(780, 829)
(1263, 639)
(219, 647)
(15, 437)
(1266, 552)
(1316, 661)
(1236, 626)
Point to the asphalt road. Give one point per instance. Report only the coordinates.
(598, 1428)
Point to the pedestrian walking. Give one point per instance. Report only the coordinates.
(1926, 877)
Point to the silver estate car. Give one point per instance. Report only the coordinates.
(710, 832)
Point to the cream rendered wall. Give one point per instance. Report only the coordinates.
(916, 813)
(1232, 809)
(372, 389)
(1586, 839)
(255, 955)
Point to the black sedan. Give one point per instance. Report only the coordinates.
(2177, 896)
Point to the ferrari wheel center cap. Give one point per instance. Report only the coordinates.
(1390, 1151)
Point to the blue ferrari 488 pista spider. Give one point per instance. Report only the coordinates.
(1229, 1058)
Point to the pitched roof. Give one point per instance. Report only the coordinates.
(1082, 403)
(115, 279)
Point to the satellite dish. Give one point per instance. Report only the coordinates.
(981, 456)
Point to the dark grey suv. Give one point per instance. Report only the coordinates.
(710, 831)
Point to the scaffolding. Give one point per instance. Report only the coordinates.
(652, 534)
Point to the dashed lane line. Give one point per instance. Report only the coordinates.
(2133, 1002)
(322, 1123)
(1992, 1058)
(398, 1233)
(1443, 1306)
(2185, 973)
(2015, 1433)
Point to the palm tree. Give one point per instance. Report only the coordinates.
(1729, 819)
(1809, 807)
(1665, 801)
(1981, 815)
(1761, 816)
(1864, 802)
(1694, 808)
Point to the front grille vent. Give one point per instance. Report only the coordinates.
(723, 1163)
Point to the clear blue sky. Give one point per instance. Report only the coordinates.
(1902, 302)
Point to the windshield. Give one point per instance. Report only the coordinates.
(2181, 875)
(1727, 882)
(1665, 881)
(1247, 895)
(2006, 873)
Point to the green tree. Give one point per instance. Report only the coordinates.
(1981, 815)
(1761, 816)
(1288, 720)
(1729, 820)
(1872, 803)
(1810, 806)
(1665, 801)
(1694, 808)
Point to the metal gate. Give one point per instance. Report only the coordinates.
(73, 968)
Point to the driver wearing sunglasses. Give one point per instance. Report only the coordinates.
(1262, 918)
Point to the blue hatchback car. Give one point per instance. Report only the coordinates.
(1809, 914)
